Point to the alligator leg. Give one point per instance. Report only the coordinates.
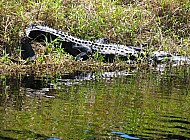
(82, 56)
(26, 49)
(78, 51)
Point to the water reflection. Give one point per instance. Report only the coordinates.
(138, 103)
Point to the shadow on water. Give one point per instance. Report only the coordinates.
(25, 133)
(130, 104)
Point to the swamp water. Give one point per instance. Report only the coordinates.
(131, 104)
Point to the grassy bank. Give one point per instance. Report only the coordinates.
(157, 24)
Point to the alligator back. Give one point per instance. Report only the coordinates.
(44, 32)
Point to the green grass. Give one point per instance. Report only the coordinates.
(161, 24)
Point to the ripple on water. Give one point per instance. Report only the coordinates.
(152, 104)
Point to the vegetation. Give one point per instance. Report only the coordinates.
(158, 24)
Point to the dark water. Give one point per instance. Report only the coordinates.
(133, 104)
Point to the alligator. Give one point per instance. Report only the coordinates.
(83, 49)
(79, 48)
